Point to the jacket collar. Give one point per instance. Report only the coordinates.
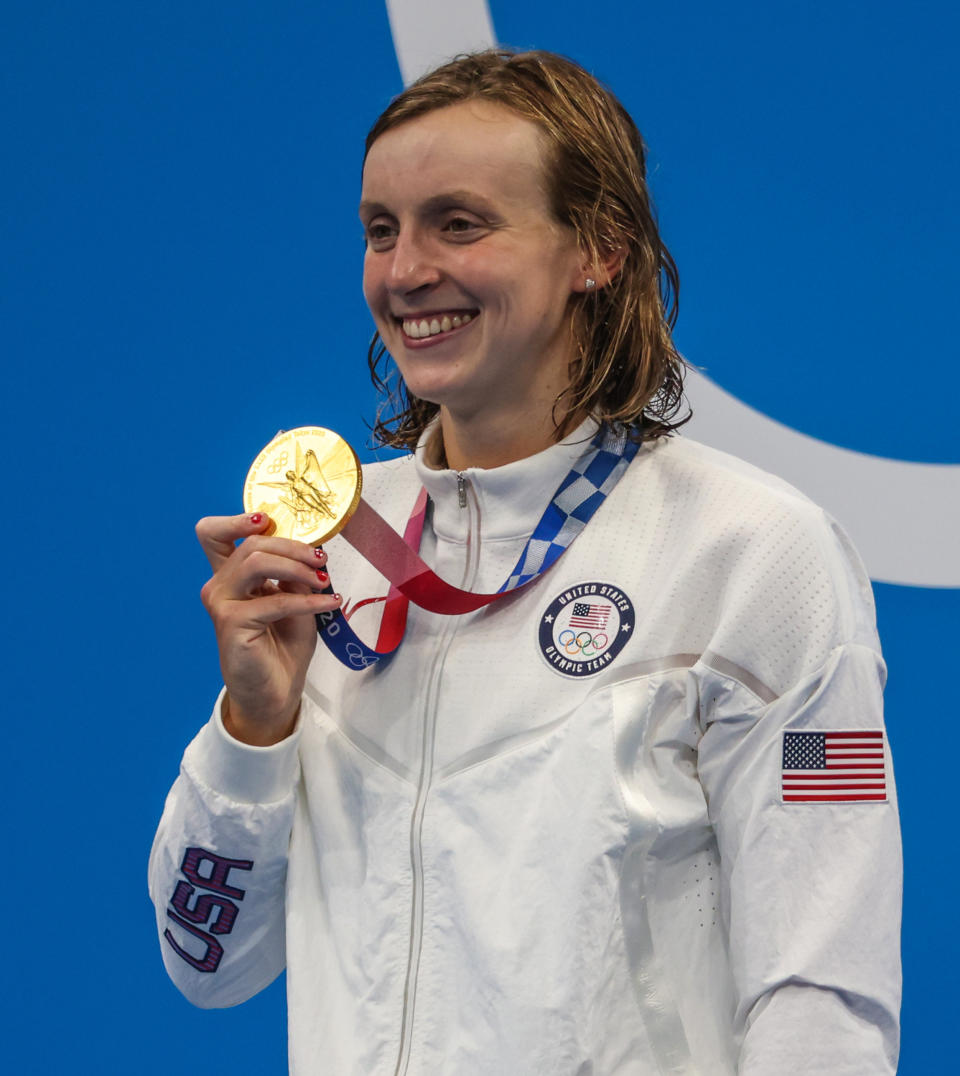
(511, 499)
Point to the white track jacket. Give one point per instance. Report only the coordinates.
(602, 827)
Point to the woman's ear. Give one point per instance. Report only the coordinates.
(597, 273)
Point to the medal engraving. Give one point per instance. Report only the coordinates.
(307, 481)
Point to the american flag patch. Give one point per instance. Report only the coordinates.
(833, 767)
(585, 615)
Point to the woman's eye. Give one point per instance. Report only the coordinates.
(379, 235)
(461, 226)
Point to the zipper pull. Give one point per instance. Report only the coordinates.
(461, 490)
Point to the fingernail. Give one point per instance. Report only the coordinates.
(322, 576)
(257, 518)
(338, 597)
(319, 553)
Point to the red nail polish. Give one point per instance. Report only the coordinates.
(338, 597)
(322, 576)
(257, 518)
(319, 553)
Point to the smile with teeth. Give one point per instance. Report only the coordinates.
(420, 328)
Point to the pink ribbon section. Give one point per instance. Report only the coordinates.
(410, 577)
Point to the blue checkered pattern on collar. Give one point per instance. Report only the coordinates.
(580, 494)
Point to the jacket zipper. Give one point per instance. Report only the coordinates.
(426, 777)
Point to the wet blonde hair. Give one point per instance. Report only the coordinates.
(626, 370)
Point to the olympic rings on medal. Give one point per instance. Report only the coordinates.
(583, 643)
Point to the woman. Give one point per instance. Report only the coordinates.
(559, 834)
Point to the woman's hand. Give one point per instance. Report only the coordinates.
(262, 600)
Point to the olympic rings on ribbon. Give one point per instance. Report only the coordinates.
(358, 659)
(583, 643)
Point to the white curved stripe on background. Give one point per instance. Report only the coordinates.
(903, 517)
(428, 32)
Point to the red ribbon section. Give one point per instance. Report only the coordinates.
(410, 577)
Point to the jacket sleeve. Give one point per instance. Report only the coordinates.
(218, 866)
(811, 878)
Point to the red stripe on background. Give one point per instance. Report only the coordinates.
(858, 748)
(835, 800)
(867, 751)
(835, 788)
(831, 799)
(854, 761)
(789, 775)
(854, 735)
(837, 765)
(843, 750)
(847, 764)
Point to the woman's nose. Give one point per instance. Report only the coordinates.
(412, 266)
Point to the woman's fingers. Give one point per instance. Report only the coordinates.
(266, 569)
(260, 563)
(295, 588)
(262, 597)
(218, 535)
(252, 570)
(280, 606)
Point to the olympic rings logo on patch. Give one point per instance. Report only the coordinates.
(583, 629)
(582, 643)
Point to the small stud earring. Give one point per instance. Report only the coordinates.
(589, 283)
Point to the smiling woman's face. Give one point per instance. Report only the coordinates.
(467, 272)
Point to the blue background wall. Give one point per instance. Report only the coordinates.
(181, 277)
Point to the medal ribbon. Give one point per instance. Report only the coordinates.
(573, 505)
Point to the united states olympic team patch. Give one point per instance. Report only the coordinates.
(583, 629)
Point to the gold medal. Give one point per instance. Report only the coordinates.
(307, 481)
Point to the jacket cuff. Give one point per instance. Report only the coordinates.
(239, 771)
